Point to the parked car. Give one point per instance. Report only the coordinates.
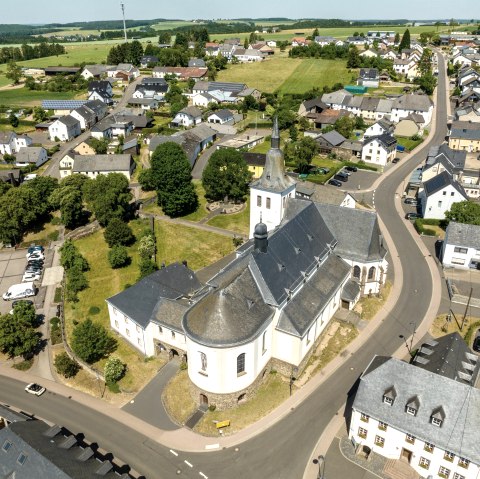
(34, 262)
(31, 276)
(33, 248)
(341, 176)
(19, 291)
(335, 182)
(410, 201)
(396, 160)
(351, 168)
(36, 255)
(323, 171)
(36, 389)
(412, 216)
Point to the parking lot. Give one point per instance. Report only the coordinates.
(12, 266)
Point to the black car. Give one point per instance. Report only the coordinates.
(396, 160)
(412, 216)
(341, 177)
(335, 182)
(476, 344)
(410, 201)
(33, 269)
(351, 168)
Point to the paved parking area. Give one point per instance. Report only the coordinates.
(361, 180)
(12, 267)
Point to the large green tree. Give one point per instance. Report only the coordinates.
(69, 201)
(302, 153)
(91, 341)
(108, 196)
(226, 175)
(17, 336)
(466, 212)
(405, 42)
(14, 72)
(118, 232)
(170, 175)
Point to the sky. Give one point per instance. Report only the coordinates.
(64, 11)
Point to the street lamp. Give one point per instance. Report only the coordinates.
(321, 466)
(401, 336)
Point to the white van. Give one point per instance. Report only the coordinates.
(19, 291)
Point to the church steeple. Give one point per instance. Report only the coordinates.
(275, 141)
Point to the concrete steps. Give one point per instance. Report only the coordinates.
(395, 469)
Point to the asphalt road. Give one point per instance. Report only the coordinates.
(282, 451)
(52, 168)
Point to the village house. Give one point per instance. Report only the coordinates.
(406, 67)
(187, 117)
(124, 71)
(442, 158)
(438, 195)
(255, 163)
(95, 71)
(422, 412)
(221, 117)
(461, 246)
(182, 73)
(66, 128)
(31, 156)
(248, 55)
(464, 136)
(148, 60)
(10, 142)
(307, 190)
(379, 150)
(94, 165)
(368, 77)
(381, 127)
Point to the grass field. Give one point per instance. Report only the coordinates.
(239, 222)
(316, 73)
(25, 97)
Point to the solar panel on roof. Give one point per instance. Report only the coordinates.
(62, 104)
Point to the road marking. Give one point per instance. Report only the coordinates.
(212, 446)
(203, 475)
(173, 452)
(187, 463)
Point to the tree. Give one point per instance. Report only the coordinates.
(108, 196)
(76, 280)
(405, 42)
(66, 366)
(39, 114)
(114, 369)
(91, 342)
(427, 82)
(69, 201)
(170, 176)
(14, 72)
(466, 212)
(226, 175)
(100, 146)
(25, 312)
(302, 152)
(118, 257)
(293, 133)
(164, 38)
(118, 232)
(353, 59)
(345, 126)
(8, 158)
(147, 267)
(13, 120)
(146, 247)
(70, 257)
(315, 33)
(135, 53)
(17, 336)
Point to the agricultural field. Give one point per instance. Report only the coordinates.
(288, 75)
(27, 98)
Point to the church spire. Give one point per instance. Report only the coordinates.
(275, 141)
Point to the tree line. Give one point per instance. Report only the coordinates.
(29, 52)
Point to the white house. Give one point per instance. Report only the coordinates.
(270, 305)
(32, 155)
(381, 127)
(10, 142)
(424, 413)
(438, 195)
(248, 55)
(94, 165)
(407, 67)
(410, 103)
(379, 149)
(368, 77)
(65, 128)
(461, 246)
(94, 71)
(86, 116)
(188, 116)
(203, 99)
(221, 117)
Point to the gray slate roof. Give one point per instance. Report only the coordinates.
(139, 302)
(414, 102)
(29, 154)
(439, 182)
(465, 235)
(223, 114)
(459, 432)
(68, 120)
(333, 137)
(88, 163)
(357, 232)
(192, 111)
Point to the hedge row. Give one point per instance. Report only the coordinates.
(418, 224)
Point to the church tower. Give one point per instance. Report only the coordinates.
(268, 194)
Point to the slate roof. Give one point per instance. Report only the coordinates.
(315, 295)
(384, 106)
(89, 163)
(6, 136)
(333, 137)
(200, 133)
(255, 159)
(453, 160)
(85, 112)
(322, 193)
(196, 62)
(99, 85)
(439, 182)
(29, 154)
(192, 111)
(357, 232)
(414, 102)
(339, 97)
(97, 70)
(369, 73)
(350, 291)
(68, 120)
(370, 103)
(459, 432)
(466, 133)
(386, 139)
(139, 302)
(450, 357)
(189, 145)
(465, 235)
(97, 106)
(153, 81)
(315, 102)
(223, 114)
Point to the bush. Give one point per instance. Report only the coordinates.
(114, 370)
(66, 366)
(418, 224)
(94, 310)
(471, 330)
(55, 331)
(118, 233)
(91, 341)
(147, 266)
(118, 257)
(113, 388)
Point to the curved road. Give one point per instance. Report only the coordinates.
(283, 450)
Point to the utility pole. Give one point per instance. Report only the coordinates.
(122, 5)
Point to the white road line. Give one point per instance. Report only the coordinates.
(212, 446)
(173, 452)
(203, 475)
(187, 463)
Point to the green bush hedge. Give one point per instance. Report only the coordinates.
(361, 165)
(418, 224)
(471, 331)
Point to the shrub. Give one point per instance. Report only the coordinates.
(147, 266)
(94, 310)
(418, 224)
(113, 388)
(91, 341)
(66, 366)
(114, 370)
(118, 257)
(118, 233)
(55, 331)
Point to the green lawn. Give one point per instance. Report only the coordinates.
(25, 97)
(239, 222)
(408, 143)
(317, 73)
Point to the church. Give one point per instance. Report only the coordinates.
(266, 309)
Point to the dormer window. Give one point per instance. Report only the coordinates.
(389, 396)
(436, 422)
(412, 406)
(437, 417)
